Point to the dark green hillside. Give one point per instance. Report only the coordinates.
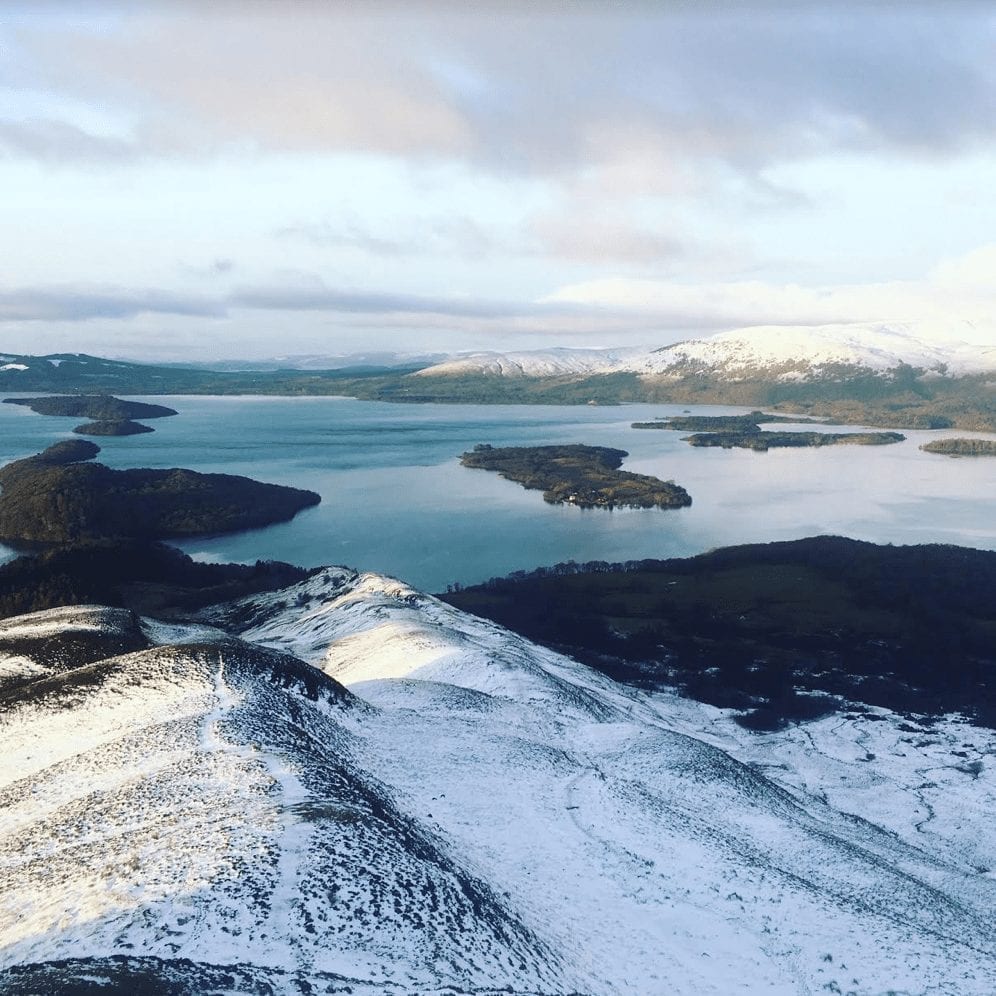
(771, 628)
(586, 476)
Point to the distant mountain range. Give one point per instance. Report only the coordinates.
(766, 352)
(349, 786)
(893, 375)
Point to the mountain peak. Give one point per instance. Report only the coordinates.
(778, 352)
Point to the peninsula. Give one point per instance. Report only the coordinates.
(586, 476)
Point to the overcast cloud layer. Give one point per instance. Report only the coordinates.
(250, 179)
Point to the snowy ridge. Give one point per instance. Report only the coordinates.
(771, 351)
(480, 814)
(198, 803)
(532, 363)
(787, 351)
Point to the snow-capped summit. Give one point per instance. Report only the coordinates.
(789, 352)
(533, 363)
(770, 352)
(418, 801)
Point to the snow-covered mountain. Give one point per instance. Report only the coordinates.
(766, 352)
(792, 352)
(349, 786)
(534, 363)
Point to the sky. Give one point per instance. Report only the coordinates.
(261, 179)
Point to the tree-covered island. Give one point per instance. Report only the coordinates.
(961, 447)
(745, 432)
(586, 476)
(762, 440)
(98, 407)
(57, 497)
(109, 416)
(718, 423)
(112, 427)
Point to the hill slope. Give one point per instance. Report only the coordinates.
(476, 814)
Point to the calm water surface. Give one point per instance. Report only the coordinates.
(395, 499)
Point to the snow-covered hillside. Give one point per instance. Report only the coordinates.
(474, 814)
(769, 352)
(789, 352)
(534, 363)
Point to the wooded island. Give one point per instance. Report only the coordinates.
(586, 476)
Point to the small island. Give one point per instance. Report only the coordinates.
(961, 447)
(745, 432)
(585, 476)
(718, 423)
(109, 416)
(112, 427)
(57, 497)
(98, 407)
(762, 441)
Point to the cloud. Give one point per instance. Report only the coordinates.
(214, 270)
(81, 304)
(956, 299)
(318, 297)
(75, 304)
(956, 294)
(572, 233)
(457, 235)
(639, 91)
(59, 141)
(585, 239)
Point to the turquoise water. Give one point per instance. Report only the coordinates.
(395, 499)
